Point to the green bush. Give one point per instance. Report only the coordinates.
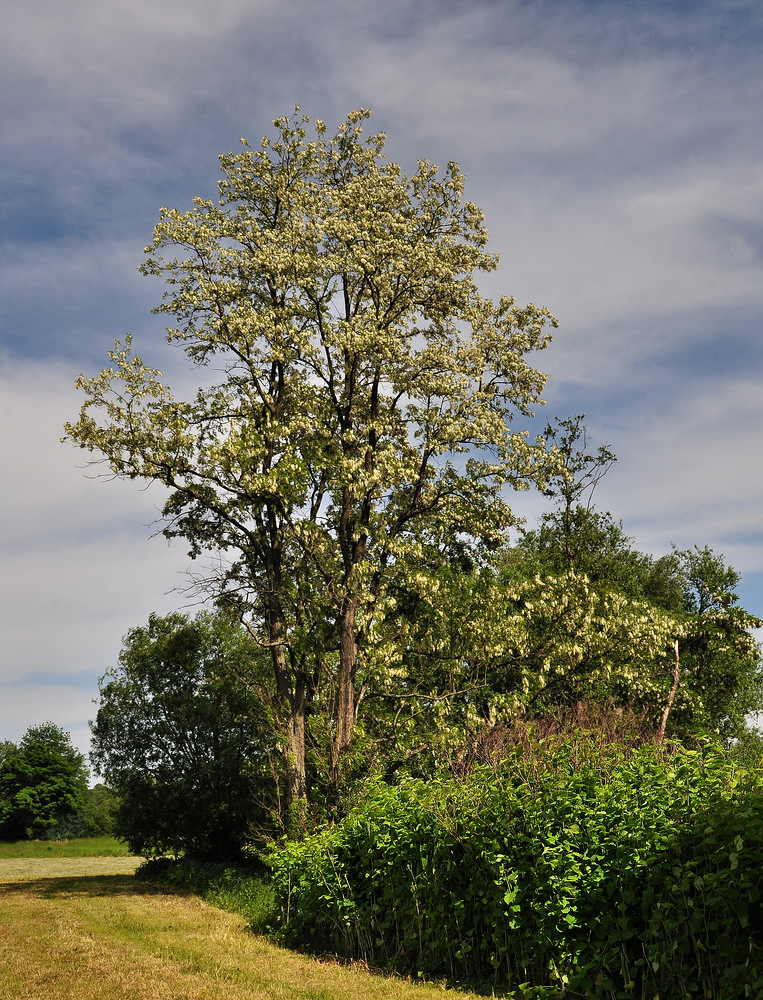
(570, 866)
(99, 813)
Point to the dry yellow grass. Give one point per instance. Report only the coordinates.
(96, 937)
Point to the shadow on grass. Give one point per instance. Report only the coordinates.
(86, 885)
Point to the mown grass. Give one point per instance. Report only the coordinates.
(118, 938)
(13, 869)
(84, 847)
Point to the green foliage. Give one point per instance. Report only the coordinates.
(43, 782)
(720, 680)
(237, 889)
(99, 814)
(687, 595)
(7, 749)
(568, 865)
(185, 747)
(600, 550)
(493, 649)
(81, 847)
(721, 662)
(747, 750)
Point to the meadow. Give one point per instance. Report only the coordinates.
(84, 847)
(67, 933)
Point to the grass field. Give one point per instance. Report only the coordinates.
(66, 934)
(15, 869)
(85, 847)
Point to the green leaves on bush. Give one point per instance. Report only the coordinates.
(571, 866)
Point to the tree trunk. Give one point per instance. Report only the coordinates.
(345, 719)
(345, 708)
(671, 696)
(292, 705)
(296, 779)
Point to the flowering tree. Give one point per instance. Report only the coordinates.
(358, 395)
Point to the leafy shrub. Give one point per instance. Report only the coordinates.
(748, 749)
(99, 814)
(570, 865)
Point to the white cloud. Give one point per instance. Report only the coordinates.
(620, 267)
(52, 498)
(79, 569)
(140, 58)
(690, 473)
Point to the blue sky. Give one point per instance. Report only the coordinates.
(616, 149)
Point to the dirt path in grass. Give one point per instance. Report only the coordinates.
(76, 936)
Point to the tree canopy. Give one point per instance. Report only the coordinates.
(42, 782)
(343, 466)
(185, 746)
(353, 422)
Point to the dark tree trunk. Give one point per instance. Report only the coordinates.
(347, 659)
(292, 701)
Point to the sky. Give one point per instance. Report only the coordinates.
(615, 147)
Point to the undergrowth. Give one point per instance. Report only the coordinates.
(237, 889)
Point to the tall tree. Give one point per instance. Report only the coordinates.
(359, 392)
(578, 473)
(576, 538)
(718, 673)
(602, 551)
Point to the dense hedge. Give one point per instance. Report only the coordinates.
(594, 870)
